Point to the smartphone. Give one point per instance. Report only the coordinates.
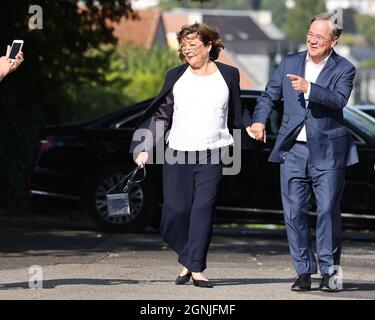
(16, 47)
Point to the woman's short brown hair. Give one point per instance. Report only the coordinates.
(208, 35)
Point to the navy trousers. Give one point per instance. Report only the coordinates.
(189, 202)
(299, 178)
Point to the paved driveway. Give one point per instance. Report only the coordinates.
(78, 262)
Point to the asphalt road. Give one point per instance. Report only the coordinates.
(79, 262)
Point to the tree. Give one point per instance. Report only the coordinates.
(299, 17)
(368, 64)
(278, 9)
(210, 4)
(56, 63)
(234, 4)
(56, 55)
(366, 26)
(133, 74)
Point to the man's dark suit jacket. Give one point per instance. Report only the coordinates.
(329, 141)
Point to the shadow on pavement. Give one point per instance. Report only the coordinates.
(235, 282)
(51, 284)
(369, 286)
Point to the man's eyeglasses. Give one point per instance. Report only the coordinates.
(318, 37)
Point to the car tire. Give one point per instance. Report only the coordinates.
(141, 197)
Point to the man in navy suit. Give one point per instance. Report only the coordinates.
(313, 147)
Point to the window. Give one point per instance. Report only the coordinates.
(128, 123)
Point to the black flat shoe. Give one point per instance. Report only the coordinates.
(303, 283)
(327, 285)
(183, 279)
(202, 283)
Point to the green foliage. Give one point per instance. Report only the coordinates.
(352, 40)
(299, 17)
(143, 70)
(278, 10)
(119, 77)
(55, 59)
(40, 91)
(366, 25)
(210, 4)
(235, 4)
(133, 74)
(368, 64)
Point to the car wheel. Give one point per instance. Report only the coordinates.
(142, 201)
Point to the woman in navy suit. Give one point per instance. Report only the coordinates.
(200, 103)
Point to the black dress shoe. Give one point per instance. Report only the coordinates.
(203, 283)
(183, 279)
(325, 284)
(303, 283)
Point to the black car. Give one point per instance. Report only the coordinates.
(367, 108)
(77, 164)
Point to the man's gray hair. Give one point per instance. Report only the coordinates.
(335, 19)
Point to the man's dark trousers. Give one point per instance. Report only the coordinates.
(298, 178)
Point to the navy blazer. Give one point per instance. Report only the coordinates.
(161, 108)
(330, 144)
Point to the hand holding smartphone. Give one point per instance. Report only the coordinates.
(15, 49)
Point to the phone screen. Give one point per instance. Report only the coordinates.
(15, 49)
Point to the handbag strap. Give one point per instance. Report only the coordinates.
(131, 181)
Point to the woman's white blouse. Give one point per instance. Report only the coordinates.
(200, 113)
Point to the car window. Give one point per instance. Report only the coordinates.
(248, 103)
(371, 112)
(368, 109)
(357, 139)
(364, 123)
(274, 122)
(128, 123)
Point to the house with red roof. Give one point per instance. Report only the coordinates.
(252, 42)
